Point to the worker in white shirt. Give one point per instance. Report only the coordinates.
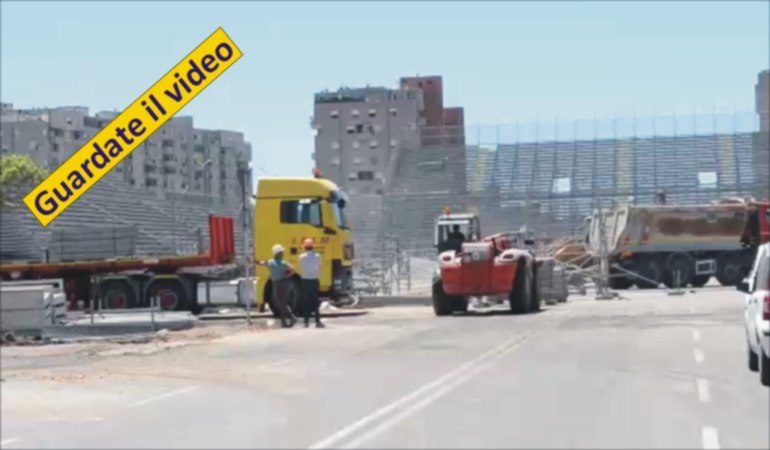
(310, 266)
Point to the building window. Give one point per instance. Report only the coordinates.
(366, 175)
(352, 176)
(335, 145)
(372, 113)
(561, 185)
(350, 129)
(356, 144)
(77, 134)
(357, 161)
(393, 112)
(707, 180)
(334, 114)
(393, 143)
(335, 162)
(151, 182)
(373, 144)
(359, 128)
(354, 112)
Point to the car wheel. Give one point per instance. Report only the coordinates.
(460, 304)
(520, 296)
(651, 271)
(753, 359)
(700, 280)
(764, 369)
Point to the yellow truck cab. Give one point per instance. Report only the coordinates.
(289, 210)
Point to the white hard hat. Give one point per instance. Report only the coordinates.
(277, 248)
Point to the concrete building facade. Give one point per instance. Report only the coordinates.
(178, 158)
(762, 96)
(359, 134)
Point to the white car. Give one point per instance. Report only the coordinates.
(757, 314)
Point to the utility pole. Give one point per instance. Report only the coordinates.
(602, 285)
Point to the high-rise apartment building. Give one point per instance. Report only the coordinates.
(178, 158)
(360, 132)
(443, 126)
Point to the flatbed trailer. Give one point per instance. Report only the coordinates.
(132, 282)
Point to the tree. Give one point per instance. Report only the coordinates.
(18, 173)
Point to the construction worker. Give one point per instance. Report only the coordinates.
(310, 266)
(280, 273)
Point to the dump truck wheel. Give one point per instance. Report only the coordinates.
(521, 295)
(682, 264)
(728, 271)
(650, 269)
(442, 303)
(620, 282)
(700, 280)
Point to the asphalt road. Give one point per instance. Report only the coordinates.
(652, 371)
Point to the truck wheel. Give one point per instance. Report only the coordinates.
(460, 304)
(700, 280)
(171, 295)
(728, 271)
(651, 270)
(117, 294)
(269, 300)
(753, 359)
(442, 303)
(620, 282)
(683, 265)
(295, 297)
(521, 294)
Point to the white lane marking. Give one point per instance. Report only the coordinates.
(710, 438)
(162, 396)
(695, 335)
(366, 420)
(698, 353)
(704, 393)
(9, 441)
(430, 398)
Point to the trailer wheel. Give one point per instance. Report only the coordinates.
(117, 294)
(651, 270)
(728, 271)
(521, 294)
(442, 303)
(683, 265)
(700, 280)
(171, 295)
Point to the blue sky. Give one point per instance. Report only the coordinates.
(500, 60)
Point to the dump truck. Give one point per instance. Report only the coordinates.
(680, 245)
(499, 267)
(131, 282)
(289, 210)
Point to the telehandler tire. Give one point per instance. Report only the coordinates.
(521, 296)
(442, 303)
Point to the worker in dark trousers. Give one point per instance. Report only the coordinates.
(310, 266)
(280, 275)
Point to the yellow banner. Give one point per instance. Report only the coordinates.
(132, 127)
